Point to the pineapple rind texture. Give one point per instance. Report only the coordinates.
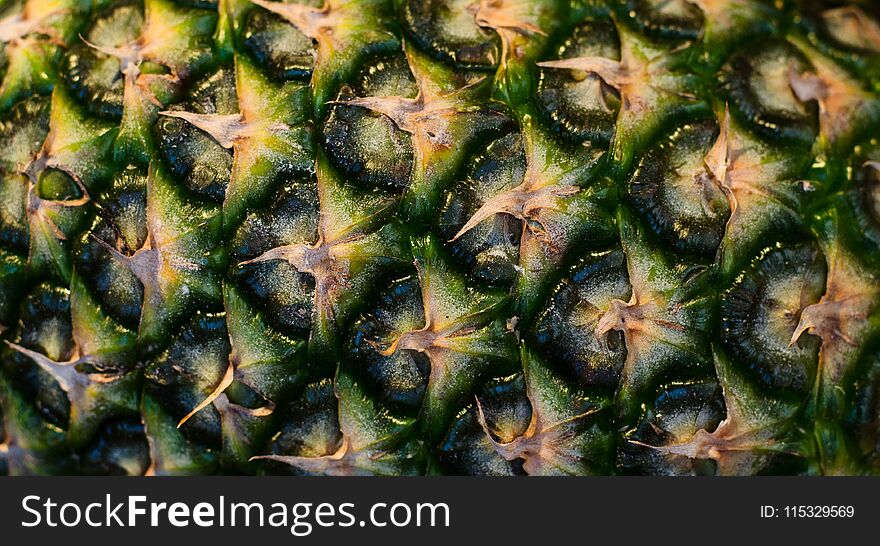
(409, 237)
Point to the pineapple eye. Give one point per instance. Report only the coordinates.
(310, 426)
(672, 189)
(125, 208)
(366, 146)
(506, 407)
(43, 391)
(93, 76)
(121, 223)
(57, 186)
(672, 19)
(579, 106)
(760, 312)
(192, 155)
(120, 448)
(182, 375)
(757, 85)
(491, 250)
(44, 327)
(507, 410)
(284, 293)
(277, 45)
(448, 30)
(45, 321)
(674, 416)
(400, 379)
(565, 332)
(22, 132)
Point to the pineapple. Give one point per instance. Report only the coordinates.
(405, 237)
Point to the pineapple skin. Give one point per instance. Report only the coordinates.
(409, 237)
